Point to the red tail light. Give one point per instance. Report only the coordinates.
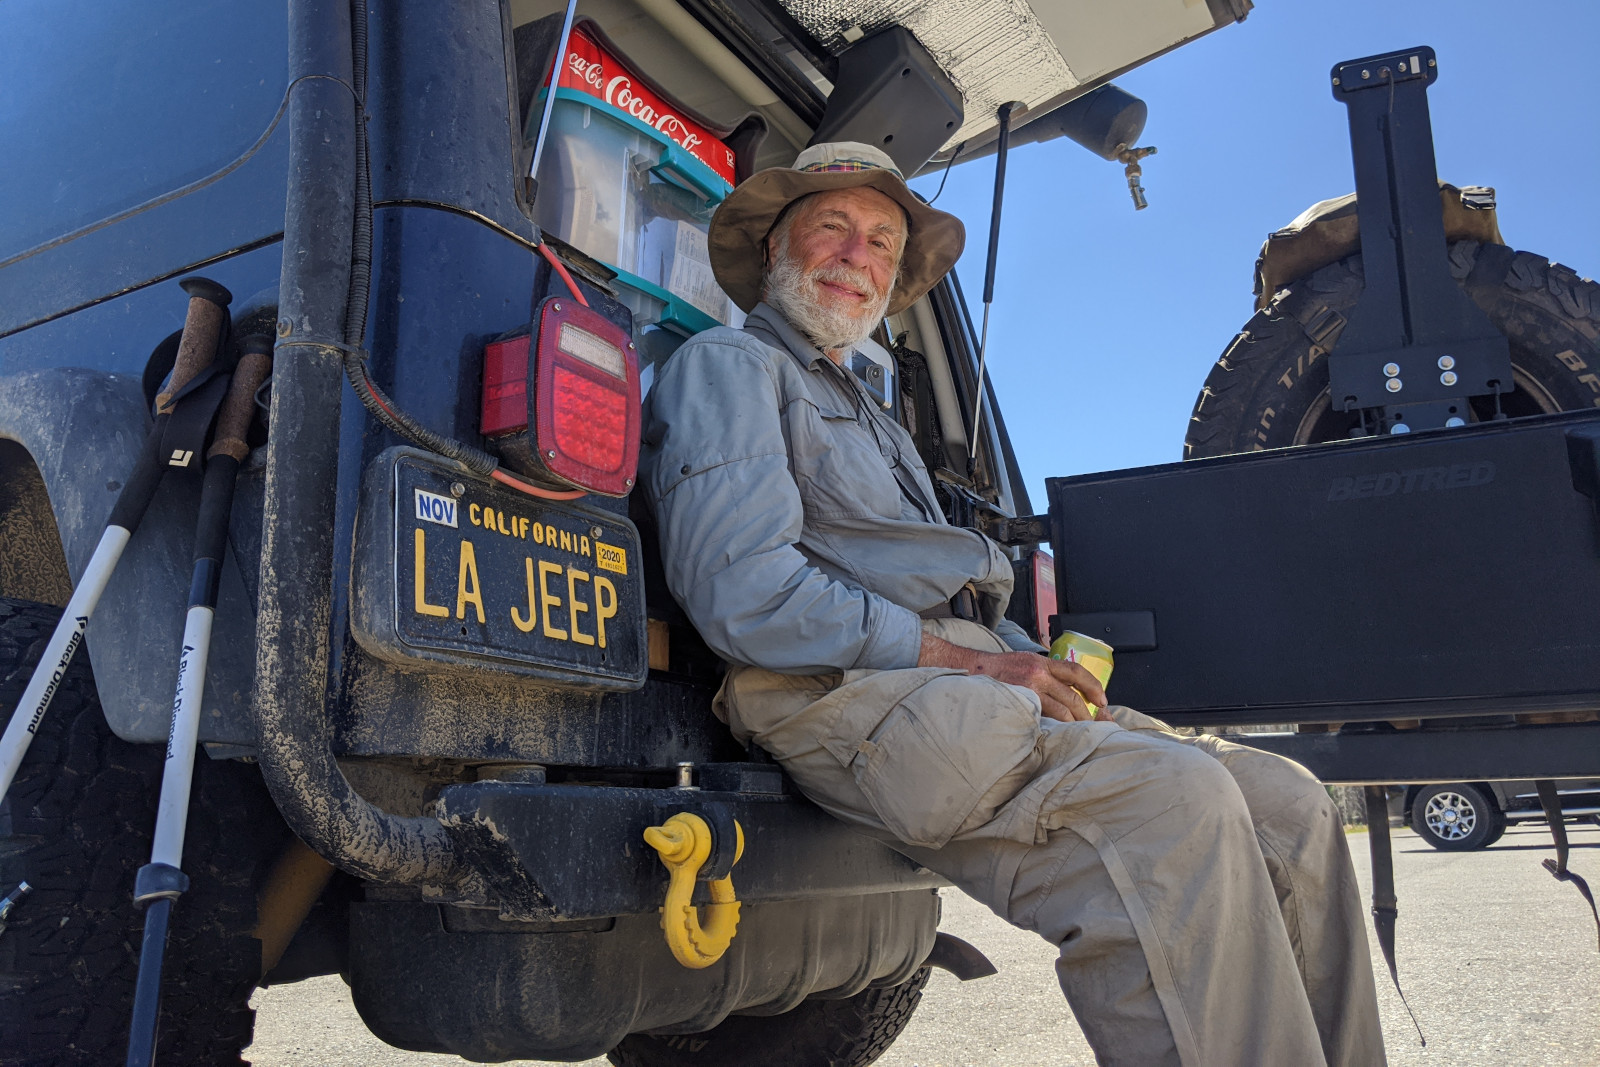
(1044, 592)
(577, 391)
(505, 387)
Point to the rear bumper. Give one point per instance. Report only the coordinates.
(570, 852)
(575, 958)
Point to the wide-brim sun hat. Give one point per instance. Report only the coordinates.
(739, 228)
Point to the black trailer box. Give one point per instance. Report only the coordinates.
(1449, 573)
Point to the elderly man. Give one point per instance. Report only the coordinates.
(1201, 893)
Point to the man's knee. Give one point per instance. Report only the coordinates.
(1132, 781)
(1275, 788)
(1208, 794)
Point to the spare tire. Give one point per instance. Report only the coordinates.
(1270, 388)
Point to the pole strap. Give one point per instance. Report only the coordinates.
(1385, 907)
(1550, 801)
(192, 411)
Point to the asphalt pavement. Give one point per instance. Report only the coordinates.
(1498, 960)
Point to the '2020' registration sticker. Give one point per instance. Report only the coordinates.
(610, 558)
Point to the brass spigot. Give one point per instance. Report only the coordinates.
(1131, 157)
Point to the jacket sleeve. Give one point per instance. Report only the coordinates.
(716, 471)
(1017, 639)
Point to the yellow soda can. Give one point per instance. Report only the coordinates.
(1095, 657)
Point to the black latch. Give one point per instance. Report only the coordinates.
(1125, 631)
(1023, 530)
(1583, 456)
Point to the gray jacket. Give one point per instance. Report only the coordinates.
(799, 529)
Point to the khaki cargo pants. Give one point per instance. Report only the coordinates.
(1201, 892)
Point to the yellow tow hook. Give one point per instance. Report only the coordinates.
(684, 842)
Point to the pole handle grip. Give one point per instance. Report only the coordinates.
(238, 408)
(202, 331)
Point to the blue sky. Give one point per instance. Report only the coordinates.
(1106, 320)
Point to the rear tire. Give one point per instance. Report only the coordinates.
(1270, 388)
(1457, 817)
(819, 1033)
(77, 825)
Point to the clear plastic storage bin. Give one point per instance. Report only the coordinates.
(636, 201)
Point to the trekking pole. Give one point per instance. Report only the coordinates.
(197, 350)
(161, 881)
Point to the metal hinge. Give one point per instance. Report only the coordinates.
(1024, 530)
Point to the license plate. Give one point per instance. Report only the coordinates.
(487, 576)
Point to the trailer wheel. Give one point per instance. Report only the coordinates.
(819, 1033)
(1270, 387)
(1457, 817)
(76, 826)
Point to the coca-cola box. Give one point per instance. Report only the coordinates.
(631, 180)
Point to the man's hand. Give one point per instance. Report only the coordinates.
(1064, 689)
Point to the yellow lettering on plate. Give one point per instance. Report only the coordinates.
(576, 606)
(610, 558)
(605, 605)
(548, 602)
(533, 608)
(419, 576)
(468, 571)
(473, 514)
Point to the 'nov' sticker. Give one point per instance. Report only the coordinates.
(431, 507)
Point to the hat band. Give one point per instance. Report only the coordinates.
(848, 165)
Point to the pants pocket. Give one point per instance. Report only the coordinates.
(939, 752)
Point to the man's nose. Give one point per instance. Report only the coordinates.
(852, 250)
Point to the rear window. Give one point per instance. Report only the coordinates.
(105, 107)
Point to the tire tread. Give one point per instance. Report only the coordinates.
(77, 826)
(852, 1032)
(1555, 311)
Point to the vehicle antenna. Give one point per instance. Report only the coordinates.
(556, 61)
(1001, 145)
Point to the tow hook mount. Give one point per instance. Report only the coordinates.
(693, 852)
(558, 852)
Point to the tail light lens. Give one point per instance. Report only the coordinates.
(563, 404)
(1044, 592)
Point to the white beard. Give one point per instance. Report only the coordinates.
(795, 293)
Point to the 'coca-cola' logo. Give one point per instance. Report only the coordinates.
(590, 72)
(620, 94)
(589, 68)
